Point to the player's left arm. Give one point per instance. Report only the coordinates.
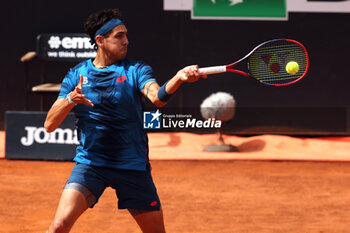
(159, 95)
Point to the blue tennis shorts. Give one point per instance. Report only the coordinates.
(134, 189)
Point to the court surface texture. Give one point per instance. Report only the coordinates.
(274, 184)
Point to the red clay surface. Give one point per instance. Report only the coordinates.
(184, 146)
(262, 147)
(197, 197)
(269, 186)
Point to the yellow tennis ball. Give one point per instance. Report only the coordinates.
(292, 67)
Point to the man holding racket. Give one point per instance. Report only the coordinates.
(105, 94)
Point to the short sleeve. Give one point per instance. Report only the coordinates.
(145, 74)
(68, 84)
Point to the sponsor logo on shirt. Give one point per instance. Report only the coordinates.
(85, 80)
(121, 79)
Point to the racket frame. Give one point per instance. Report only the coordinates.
(229, 67)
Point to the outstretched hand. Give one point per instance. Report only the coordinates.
(190, 74)
(77, 95)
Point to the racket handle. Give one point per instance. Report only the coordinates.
(212, 70)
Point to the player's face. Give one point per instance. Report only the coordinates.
(116, 44)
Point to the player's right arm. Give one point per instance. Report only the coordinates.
(62, 106)
(152, 90)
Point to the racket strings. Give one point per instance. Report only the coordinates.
(268, 62)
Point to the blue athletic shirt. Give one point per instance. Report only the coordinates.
(111, 133)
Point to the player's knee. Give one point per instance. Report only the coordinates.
(160, 230)
(155, 230)
(59, 226)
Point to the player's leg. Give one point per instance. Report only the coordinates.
(137, 193)
(81, 191)
(72, 204)
(149, 221)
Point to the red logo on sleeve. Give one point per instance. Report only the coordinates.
(121, 79)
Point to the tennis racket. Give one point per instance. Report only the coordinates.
(267, 63)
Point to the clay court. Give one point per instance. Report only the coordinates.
(290, 170)
(217, 194)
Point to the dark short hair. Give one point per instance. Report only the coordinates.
(99, 18)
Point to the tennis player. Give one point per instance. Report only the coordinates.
(105, 94)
